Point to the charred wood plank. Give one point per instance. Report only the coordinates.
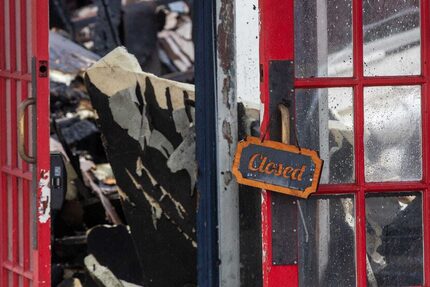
(148, 129)
(113, 247)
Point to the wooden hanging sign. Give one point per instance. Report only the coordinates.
(278, 167)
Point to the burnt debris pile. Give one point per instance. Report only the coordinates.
(123, 211)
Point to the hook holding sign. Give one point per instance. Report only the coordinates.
(277, 166)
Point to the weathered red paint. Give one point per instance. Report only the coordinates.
(40, 45)
(425, 54)
(277, 30)
(276, 43)
(21, 261)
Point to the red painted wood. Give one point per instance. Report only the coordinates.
(26, 184)
(16, 177)
(16, 172)
(371, 187)
(40, 46)
(15, 75)
(282, 276)
(3, 187)
(13, 210)
(365, 81)
(425, 57)
(276, 42)
(18, 270)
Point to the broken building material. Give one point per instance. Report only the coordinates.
(113, 248)
(141, 25)
(148, 129)
(67, 59)
(177, 47)
(111, 213)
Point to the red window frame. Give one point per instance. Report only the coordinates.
(277, 43)
(28, 263)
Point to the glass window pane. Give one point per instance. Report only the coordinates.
(394, 240)
(326, 233)
(323, 38)
(391, 31)
(392, 133)
(325, 123)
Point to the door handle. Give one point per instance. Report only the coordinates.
(21, 130)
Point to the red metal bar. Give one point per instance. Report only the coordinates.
(357, 20)
(265, 196)
(15, 75)
(21, 238)
(274, 45)
(394, 186)
(365, 81)
(17, 270)
(426, 234)
(371, 187)
(17, 172)
(4, 239)
(27, 225)
(272, 35)
(40, 46)
(360, 213)
(24, 61)
(337, 188)
(266, 223)
(26, 210)
(13, 210)
(425, 57)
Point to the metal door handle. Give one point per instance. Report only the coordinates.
(21, 130)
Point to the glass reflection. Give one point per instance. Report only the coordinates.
(326, 233)
(323, 38)
(325, 123)
(391, 31)
(392, 133)
(394, 240)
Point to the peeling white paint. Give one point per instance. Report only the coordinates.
(160, 142)
(193, 243)
(247, 52)
(184, 158)
(139, 166)
(179, 207)
(182, 123)
(44, 209)
(124, 197)
(156, 209)
(119, 70)
(104, 274)
(127, 115)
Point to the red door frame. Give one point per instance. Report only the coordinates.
(277, 43)
(25, 229)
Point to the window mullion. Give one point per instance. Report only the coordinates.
(357, 28)
(425, 55)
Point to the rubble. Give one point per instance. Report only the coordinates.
(113, 248)
(67, 59)
(94, 214)
(177, 49)
(148, 129)
(158, 33)
(91, 195)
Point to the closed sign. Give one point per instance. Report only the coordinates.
(278, 167)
